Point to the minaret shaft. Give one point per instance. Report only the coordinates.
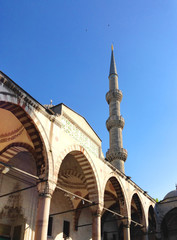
(116, 154)
(114, 108)
(113, 82)
(115, 138)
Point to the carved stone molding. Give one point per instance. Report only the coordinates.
(115, 121)
(118, 153)
(96, 212)
(126, 223)
(97, 209)
(46, 188)
(115, 94)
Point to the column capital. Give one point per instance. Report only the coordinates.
(96, 214)
(46, 188)
(97, 210)
(126, 223)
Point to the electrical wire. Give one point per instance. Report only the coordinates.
(19, 170)
(17, 191)
(72, 210)
(73, 194)
(62, 189)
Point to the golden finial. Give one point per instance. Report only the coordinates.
(112, 48)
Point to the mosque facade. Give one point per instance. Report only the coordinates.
(55, 182)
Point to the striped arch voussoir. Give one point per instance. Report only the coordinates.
(72, 173)
(13, 149)
(33, 133)
(138, 204)
(118, 187)
(64, 174)
(87, 166)
(118, 190)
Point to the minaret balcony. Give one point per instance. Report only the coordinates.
(115, 121)
(115, 95)
(118, 153)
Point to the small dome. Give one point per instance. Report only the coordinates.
(171, 194)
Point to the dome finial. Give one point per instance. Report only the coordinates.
(112, 47)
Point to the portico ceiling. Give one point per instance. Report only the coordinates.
(11, 130)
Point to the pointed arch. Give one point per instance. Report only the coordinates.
(86, 163)
(39, 150)
(137, 215)
(169, 223)
(13, 149)
(151, 223)
(114, 200)
(138, 204)
(120, 191)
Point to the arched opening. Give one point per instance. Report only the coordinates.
(169, 225)
(151, 224)
(20, 147)
(70, 215)
(137, 232)
(114, 200)
(17, 126)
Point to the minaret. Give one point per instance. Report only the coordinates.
(116, 154)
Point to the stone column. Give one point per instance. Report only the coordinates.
(96, 225)
(45, 194)
(146, 237)
(126, 224)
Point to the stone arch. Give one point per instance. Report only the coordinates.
(74, 166)
(168, 224)
(88, 168)
(138, 216)
(120, 191)
(135, 196)
(162, 214)
(17, 146)
(13, 149)
(115, 200)
(151, 223)
(30, 123)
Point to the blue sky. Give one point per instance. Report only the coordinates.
(60, 50)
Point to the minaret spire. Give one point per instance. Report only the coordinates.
(116, 154)
(113, 69)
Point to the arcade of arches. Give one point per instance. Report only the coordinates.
(55, 182)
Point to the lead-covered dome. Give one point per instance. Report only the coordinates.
(171, 194)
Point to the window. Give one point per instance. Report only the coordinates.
(50, 223)
(66, 228)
